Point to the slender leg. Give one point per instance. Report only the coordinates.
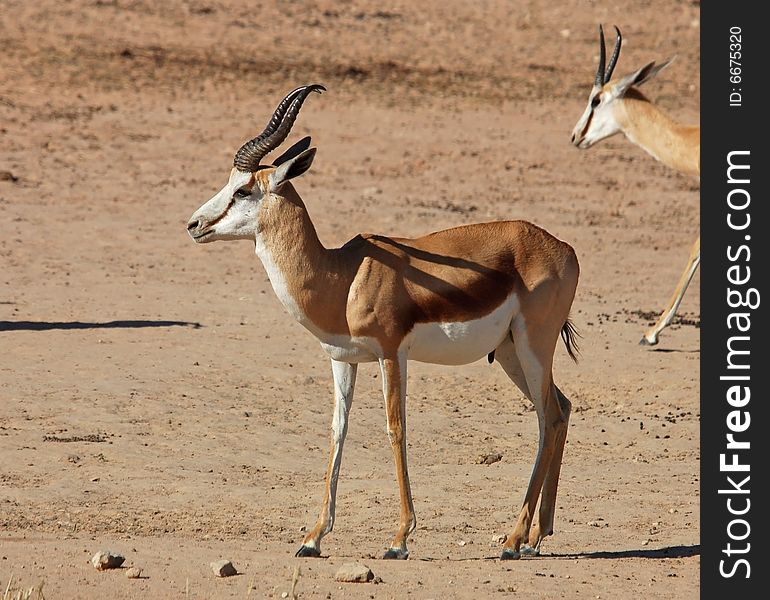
(535, 358)
(505, 354)
(344, 382)
(651, 335)
(394, 390)
(560, 412)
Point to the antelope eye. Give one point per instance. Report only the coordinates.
(242, 193)
(596, 100)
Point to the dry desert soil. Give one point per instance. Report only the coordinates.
(157, 400)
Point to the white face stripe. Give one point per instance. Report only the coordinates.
(597, 122)
(239, 178)
(581, 127)
(215, 215)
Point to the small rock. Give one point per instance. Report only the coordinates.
(8, 176)
(223, 568)
(371, 191)
(488, 459)
(134, 573)
(500, 539)
(461, 543)
(104, 559)
(354, 573)
(285, 595)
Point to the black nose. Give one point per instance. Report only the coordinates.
(193, 225)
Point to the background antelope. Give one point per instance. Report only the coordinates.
(501, 289)
(616, 105)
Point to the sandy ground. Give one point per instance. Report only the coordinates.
(155, 399)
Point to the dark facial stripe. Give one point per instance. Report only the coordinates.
(224, 213)
(588, 125)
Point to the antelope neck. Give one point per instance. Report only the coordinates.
(672, 143)
(304, 274)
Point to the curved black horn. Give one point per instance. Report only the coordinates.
(280, 111)
(248, 156)
(599, 81)
(614, 57)
(242, 156)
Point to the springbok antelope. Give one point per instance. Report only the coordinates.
(501, 290)
(616, 105)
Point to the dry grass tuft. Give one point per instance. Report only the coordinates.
(290, 595)
(33, 593)
(294, 582)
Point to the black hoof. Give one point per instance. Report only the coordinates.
(510, 554)
(645, 342)
(395, 554)
(308, 552)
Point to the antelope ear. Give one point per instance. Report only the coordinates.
(293, 167)
(300, 146)
(646, 73)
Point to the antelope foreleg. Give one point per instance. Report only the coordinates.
(344, 383)
(394, 390)
(650, 337)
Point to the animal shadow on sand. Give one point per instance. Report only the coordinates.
(127, 324)
(657, 553)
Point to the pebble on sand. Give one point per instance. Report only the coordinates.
(105, 559)
(354, 573)
(223, 568)
(488, 459)
(134, 573)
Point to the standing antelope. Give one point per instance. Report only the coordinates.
(615, 106)
(501, 289)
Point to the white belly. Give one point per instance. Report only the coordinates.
(462, 342)
(350, 349)
(440, 343)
